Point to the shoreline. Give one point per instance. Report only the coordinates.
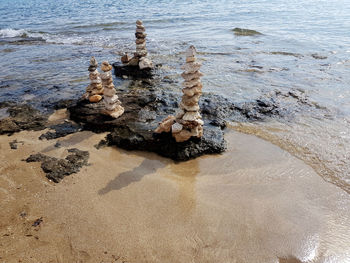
(256, 199)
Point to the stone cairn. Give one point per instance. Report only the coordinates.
(95, 89)
(140, 56)
(188, 121)
(113, 105)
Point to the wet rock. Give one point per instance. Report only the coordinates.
(283, 53)
(61, 130)
(22, 117)
(132, 71)
(245, 32)
(317, 56)
(56, 169)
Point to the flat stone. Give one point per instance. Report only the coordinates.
(191, 116)
(189, 108)
(140, 41)
(192, 91)
(190, 59)
(191, 76)
(97, 81)
(176, 127)
(191, 67)
(111, 100)
(140, 35)
(145, 63)
(109, 92)
(106, 75)
(191, 83)
(190, 101)
(139, 22)
(140, 30)
(141, 46)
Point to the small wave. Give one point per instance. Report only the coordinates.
(8, 32)
(103, 25)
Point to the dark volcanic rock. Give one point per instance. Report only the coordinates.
(134, 72)
(61, 130)
(56, 169)
(144, 109)
(165, 145)
(22, 117)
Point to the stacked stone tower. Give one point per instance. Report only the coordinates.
(140, 56)
(95, 89)
(188, 121)
(113, 106)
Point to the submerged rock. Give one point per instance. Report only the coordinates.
(56, 169)
(245, 32)
(61, 130)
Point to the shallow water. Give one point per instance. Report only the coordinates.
(305, 45)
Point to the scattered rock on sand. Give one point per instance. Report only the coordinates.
(56, 169)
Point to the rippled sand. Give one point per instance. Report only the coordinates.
(254, 203)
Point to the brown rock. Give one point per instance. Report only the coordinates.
(165, 125)
(95, 98)
(106, 66)
(140, 35)
(139, 22)
(191, 83)
(191, 76)
(134, 61)
(125, 59)
(192, 91)
(182, 136)
(140, 41)
(190, 101)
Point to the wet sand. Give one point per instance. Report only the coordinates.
(254, 203)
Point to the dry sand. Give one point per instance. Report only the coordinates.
(254, 203)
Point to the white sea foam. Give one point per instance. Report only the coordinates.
(9, 32)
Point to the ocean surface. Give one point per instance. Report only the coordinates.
(304, 49)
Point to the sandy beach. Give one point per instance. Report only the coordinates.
(254, 203)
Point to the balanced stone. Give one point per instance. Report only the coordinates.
(95, 89)
(112, 104)
(188, 121)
